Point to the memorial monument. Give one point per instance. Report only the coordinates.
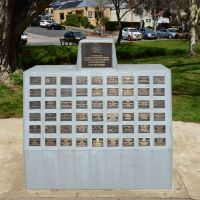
(97, 124)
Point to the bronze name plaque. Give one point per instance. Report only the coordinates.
(97, 92)
(127, 92)
(112, 92)
(50, 80)
(159, 92)
(159, 103)
(97, 104)
(97, 80)
(159, 80)
(50, 129)
(81, 128)
(112, 142)
(34, 117)
(143, 80)
(159, 116)
(112, 80)
(144, 128)
(66, 92)
(50, 141)
(35, 80)
(144, 117)
(159, 129)
(34, 105)
(34, 141)
(66, 104)
(65, 142)
(81, 104)
(34, 129)
(112, 104)
(81, 142)
(81, 92)
(112, 117)
(128, 128)
(66, 128)
(66, 81)
(50, 92)
(50, 117)
(143, 104)
(35, 92)
(96, 117)
(97, 129)
(128, 104)
(96, 55)
(160, 142)
(50, 104)
(128, 80)
(81, 116)
(144, 141)
(81, 80)
(113, 129)
(128, 116)
(66, 116)
(128, 142)
(143, 91)
(97, 142)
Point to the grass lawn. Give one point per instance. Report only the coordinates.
(185, 73)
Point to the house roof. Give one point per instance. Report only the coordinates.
(64, 4)
(88, 3)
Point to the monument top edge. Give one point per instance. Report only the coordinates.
(99, 40)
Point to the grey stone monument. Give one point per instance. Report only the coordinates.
(97, 124)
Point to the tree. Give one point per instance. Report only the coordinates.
(15, 16)
(188, 13)
(129, 5)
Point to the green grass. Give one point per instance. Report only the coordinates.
(11, 102)
(173, 54)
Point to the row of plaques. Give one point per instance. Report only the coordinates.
(96, 117)
(96, 129)
(97, 142)
(97, 80)
(128, 104)
(97, 92)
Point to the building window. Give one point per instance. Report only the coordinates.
(62, 17)
(89, 14)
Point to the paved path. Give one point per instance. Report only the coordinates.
(186, 176)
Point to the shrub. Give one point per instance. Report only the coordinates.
(84, 22)
(72, 20)
(17, 77)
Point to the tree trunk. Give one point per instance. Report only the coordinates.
(15, 17)
(120, 32)
(192, 41)
(5, 38)
(194, 19)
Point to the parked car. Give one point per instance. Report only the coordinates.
(148, 33)
(131, 34)
(24, 38)
(74, 35)
(55, 26)
(45, 23)
(167, 33)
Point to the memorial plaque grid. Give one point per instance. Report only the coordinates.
(94, 113)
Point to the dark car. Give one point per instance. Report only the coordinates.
(148, 33)
(55, 26)
(74, 35)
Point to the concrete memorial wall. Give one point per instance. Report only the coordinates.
(97, 124)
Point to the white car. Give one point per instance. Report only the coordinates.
(24, 38)
(131, 34)
(45, 23)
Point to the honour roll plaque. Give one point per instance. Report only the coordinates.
(97, 124)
